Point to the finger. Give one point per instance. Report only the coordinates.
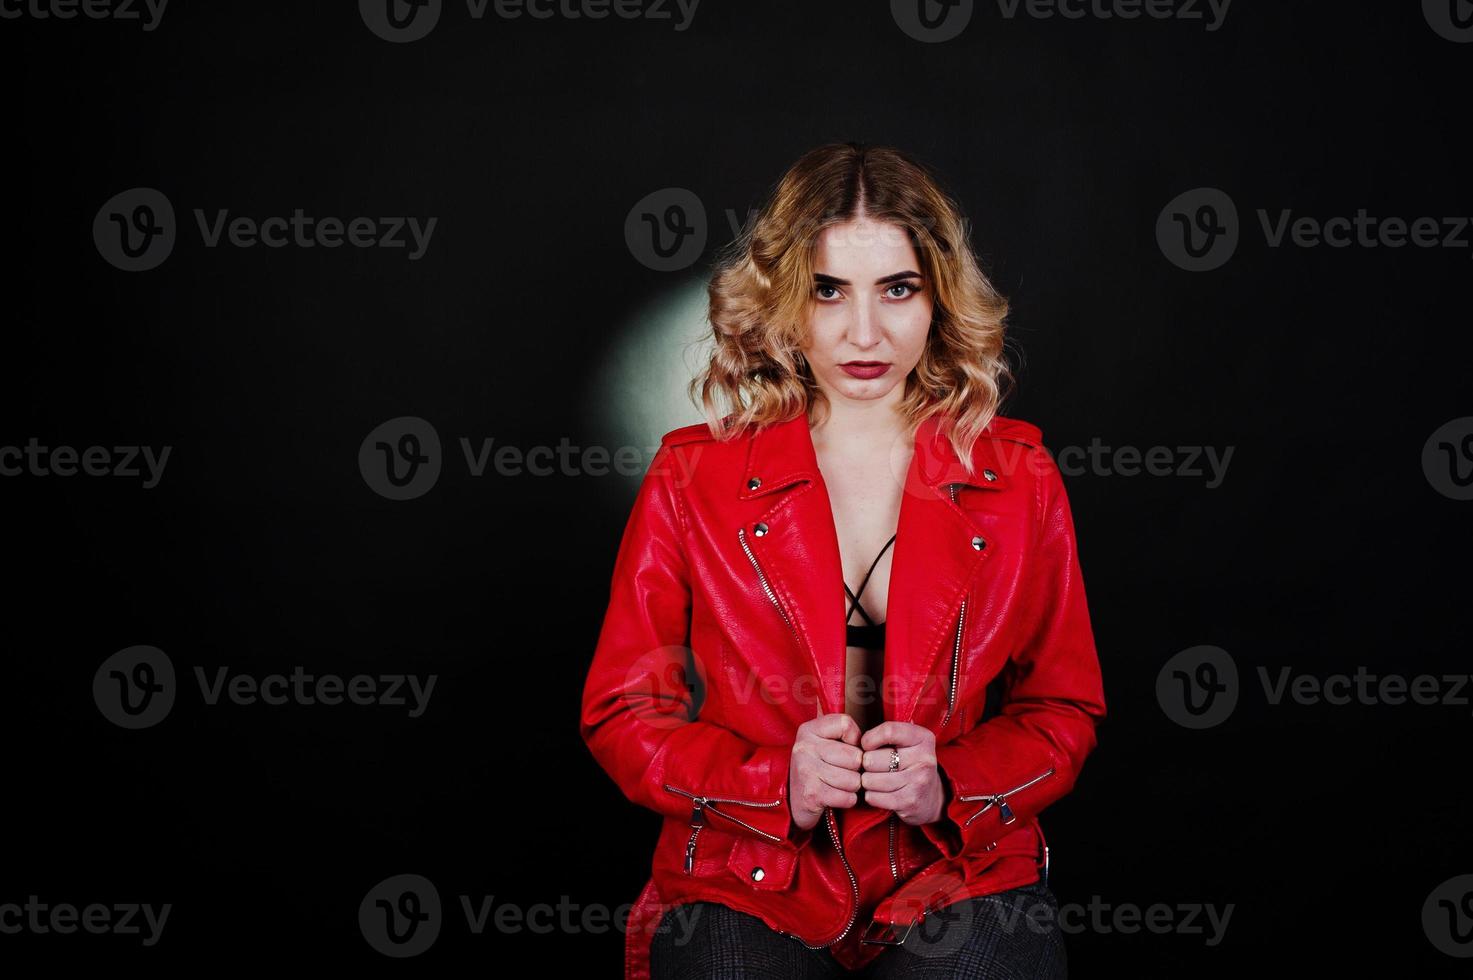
(911, 757)
(883, 801)
(899, 733)
(841, 754)
(847, 780)
(831, 796)
(837, 726)
(884, 782)
(878, 760)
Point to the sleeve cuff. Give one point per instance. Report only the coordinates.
(945, 832)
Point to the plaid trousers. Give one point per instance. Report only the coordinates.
(1012, 935)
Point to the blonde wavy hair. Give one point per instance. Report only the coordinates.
(762, 290)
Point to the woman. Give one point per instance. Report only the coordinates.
(850, 776)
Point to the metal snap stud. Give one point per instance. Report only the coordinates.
(989, 476)
(759, 529)
(758, 874)
(978, 543)
(753, 483)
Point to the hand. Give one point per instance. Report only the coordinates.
(825, 768)
(915, 790)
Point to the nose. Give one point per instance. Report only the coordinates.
(864, 326)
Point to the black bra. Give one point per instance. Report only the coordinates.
(870, 635)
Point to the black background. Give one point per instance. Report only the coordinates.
(1325, 548)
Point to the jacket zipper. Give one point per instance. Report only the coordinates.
(956, 646)
(766, 586)
(828, 814)
(956, 649)
(1000, 800)
(828, 811)
(698, 818)
(956, 663)
(894, 865)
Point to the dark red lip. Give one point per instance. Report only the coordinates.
(865, 369)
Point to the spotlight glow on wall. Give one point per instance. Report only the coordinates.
(641, 393)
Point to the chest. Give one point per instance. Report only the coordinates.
(865, 501)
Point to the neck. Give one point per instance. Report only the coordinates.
(860, 424)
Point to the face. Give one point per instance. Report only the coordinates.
(871, 311)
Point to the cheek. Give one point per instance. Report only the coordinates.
(825, 329)
(917, 326)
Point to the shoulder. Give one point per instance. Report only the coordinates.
(1014, 430)
(690, 455)
(695, 432)
(1014, 448)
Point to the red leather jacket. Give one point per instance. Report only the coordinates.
(725, 631)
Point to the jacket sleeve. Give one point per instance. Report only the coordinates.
(639, 715)
(1006, 770)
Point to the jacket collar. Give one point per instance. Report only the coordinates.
(938, 551)
(782, 454)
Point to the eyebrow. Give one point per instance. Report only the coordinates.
(893, 277)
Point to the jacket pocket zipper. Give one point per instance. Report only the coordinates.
(699, 806)
(1000, 800)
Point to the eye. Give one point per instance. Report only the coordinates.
(908, 290)
(831, 293)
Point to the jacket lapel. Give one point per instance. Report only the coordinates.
(939, 551)
(798, 546)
